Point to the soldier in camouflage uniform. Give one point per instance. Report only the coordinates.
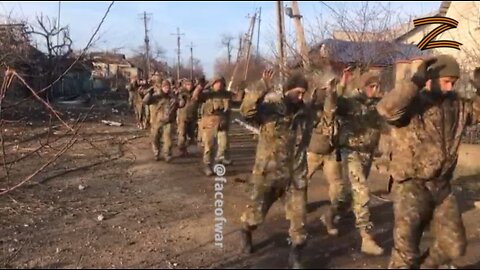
(200, 84)
(280, 168)
(356, 141)
(323, 150)
(215, 115)
(135, 102)
(186, 117)
(162, 104)
(428, 119)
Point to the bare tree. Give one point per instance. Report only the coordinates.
(157, 56)
(226, 41)
(57, 45)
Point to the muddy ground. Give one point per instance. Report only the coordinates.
(107, 204)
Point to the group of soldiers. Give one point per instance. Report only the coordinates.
(313, 122)
(200, 110)
(316, 123)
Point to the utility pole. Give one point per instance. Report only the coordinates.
(294, 13)
(58, 25)
(191, 61)
(258, 35)
(146, 18)
(237, 63)
(248, 39)
(280, 39)
(178, 52)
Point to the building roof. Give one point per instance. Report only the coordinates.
(372, 53)
(109, 58)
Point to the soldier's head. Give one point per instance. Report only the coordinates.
(166, 86)
(443, 74)
(295, 88)
(155, 78)
(370, 84)
(200, 81)
(218, 83)
(188, 85)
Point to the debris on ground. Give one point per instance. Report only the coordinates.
(112, 123)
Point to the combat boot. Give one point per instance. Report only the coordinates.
(224, 161)
(295, 257)
(246, 241)
(183, 152)
(168, 158)
(207, 170)
(156, 153)
(328, 221)
(369, 246)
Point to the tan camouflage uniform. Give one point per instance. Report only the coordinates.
(214, 125)
(161, 119)
(186, 120)
(426, 132)
(280, 168)
(322, 152)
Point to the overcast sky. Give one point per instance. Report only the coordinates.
(201, 22)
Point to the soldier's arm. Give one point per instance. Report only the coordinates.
(253, 99)
(330, 106)
(199, 95)
(341, 89)
(182, 100)
(395, 104)
(151, 98)
(147, 99)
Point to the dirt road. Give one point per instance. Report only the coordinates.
(137, 213)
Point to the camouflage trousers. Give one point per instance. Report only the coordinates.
(185, 129)
(357, 166)
(146, 117)
(142, 112)
(417, 204)
(161, 137)
(212, 135)
(264, 193)
(332, 171)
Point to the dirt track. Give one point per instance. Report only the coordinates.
(159, 215)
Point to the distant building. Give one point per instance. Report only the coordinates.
(111, 70)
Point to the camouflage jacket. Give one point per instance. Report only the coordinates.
(214, 103)
(189, 111)
(162, 106)
(360, 124)
(283, 138)
(426, 131)
(324, 125)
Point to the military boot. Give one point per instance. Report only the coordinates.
(156, 153)
(246, 241)
(183, 152)
(207, 170)
(223, 161)
(328, 220)
(430, 262)
(295, 257)
(369, 246)
(168, 158)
